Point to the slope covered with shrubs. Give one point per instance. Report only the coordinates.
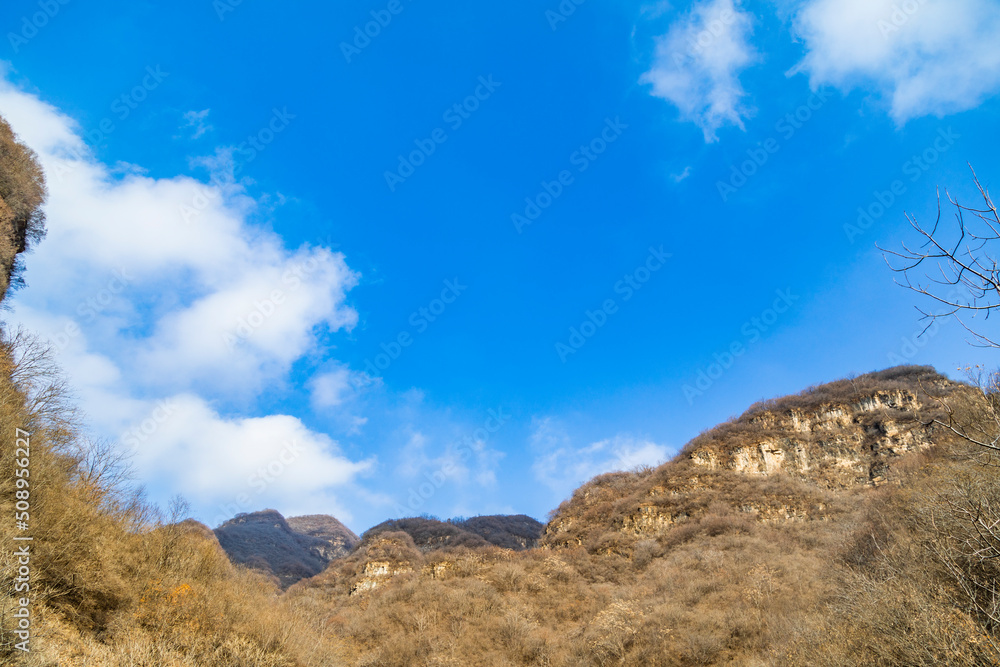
(740, 567)
(22, 193)
(112, 580)
(850, 524)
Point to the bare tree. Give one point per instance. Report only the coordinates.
(955, 265)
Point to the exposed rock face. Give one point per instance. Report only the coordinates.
(838, 444)
(384, 556)
(341, 539)
(265, 541)
(799, 458)
(376, 571)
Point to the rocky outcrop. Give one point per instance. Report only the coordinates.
(376, 571)
(798, 458)
(837, 444)
(340, 538)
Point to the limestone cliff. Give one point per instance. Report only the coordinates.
(798, 458)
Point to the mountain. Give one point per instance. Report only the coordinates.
(287, 550)
(831, 527)
(796, 458)
(849, 524)
(428, 534)
(325, 527)
(516, 532)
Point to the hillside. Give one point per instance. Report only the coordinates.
(797, 534)
(826, 528)
(517, 532)
(287, 550)
(22, 193)
(341, 539)
(797, 458)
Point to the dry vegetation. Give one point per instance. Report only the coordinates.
(748, 570)
(902, 574)
(22, 193)
(687, 564)
(113, 582)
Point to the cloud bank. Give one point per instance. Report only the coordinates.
(162, 320)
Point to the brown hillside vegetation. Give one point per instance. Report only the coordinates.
(869, 550)
(861, 551)
(846, 525)
(112, 583)
(22, 193)
(515, 531)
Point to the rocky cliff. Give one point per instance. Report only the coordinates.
(797, 458)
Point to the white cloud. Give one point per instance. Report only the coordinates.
(924, 56)
(563, 466)
(196, 121)
(218, 301)
(698, 64)
(158, 323)
(683, 175)
(332, 388)
(245, 463)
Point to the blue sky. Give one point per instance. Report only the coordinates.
(561, 214)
